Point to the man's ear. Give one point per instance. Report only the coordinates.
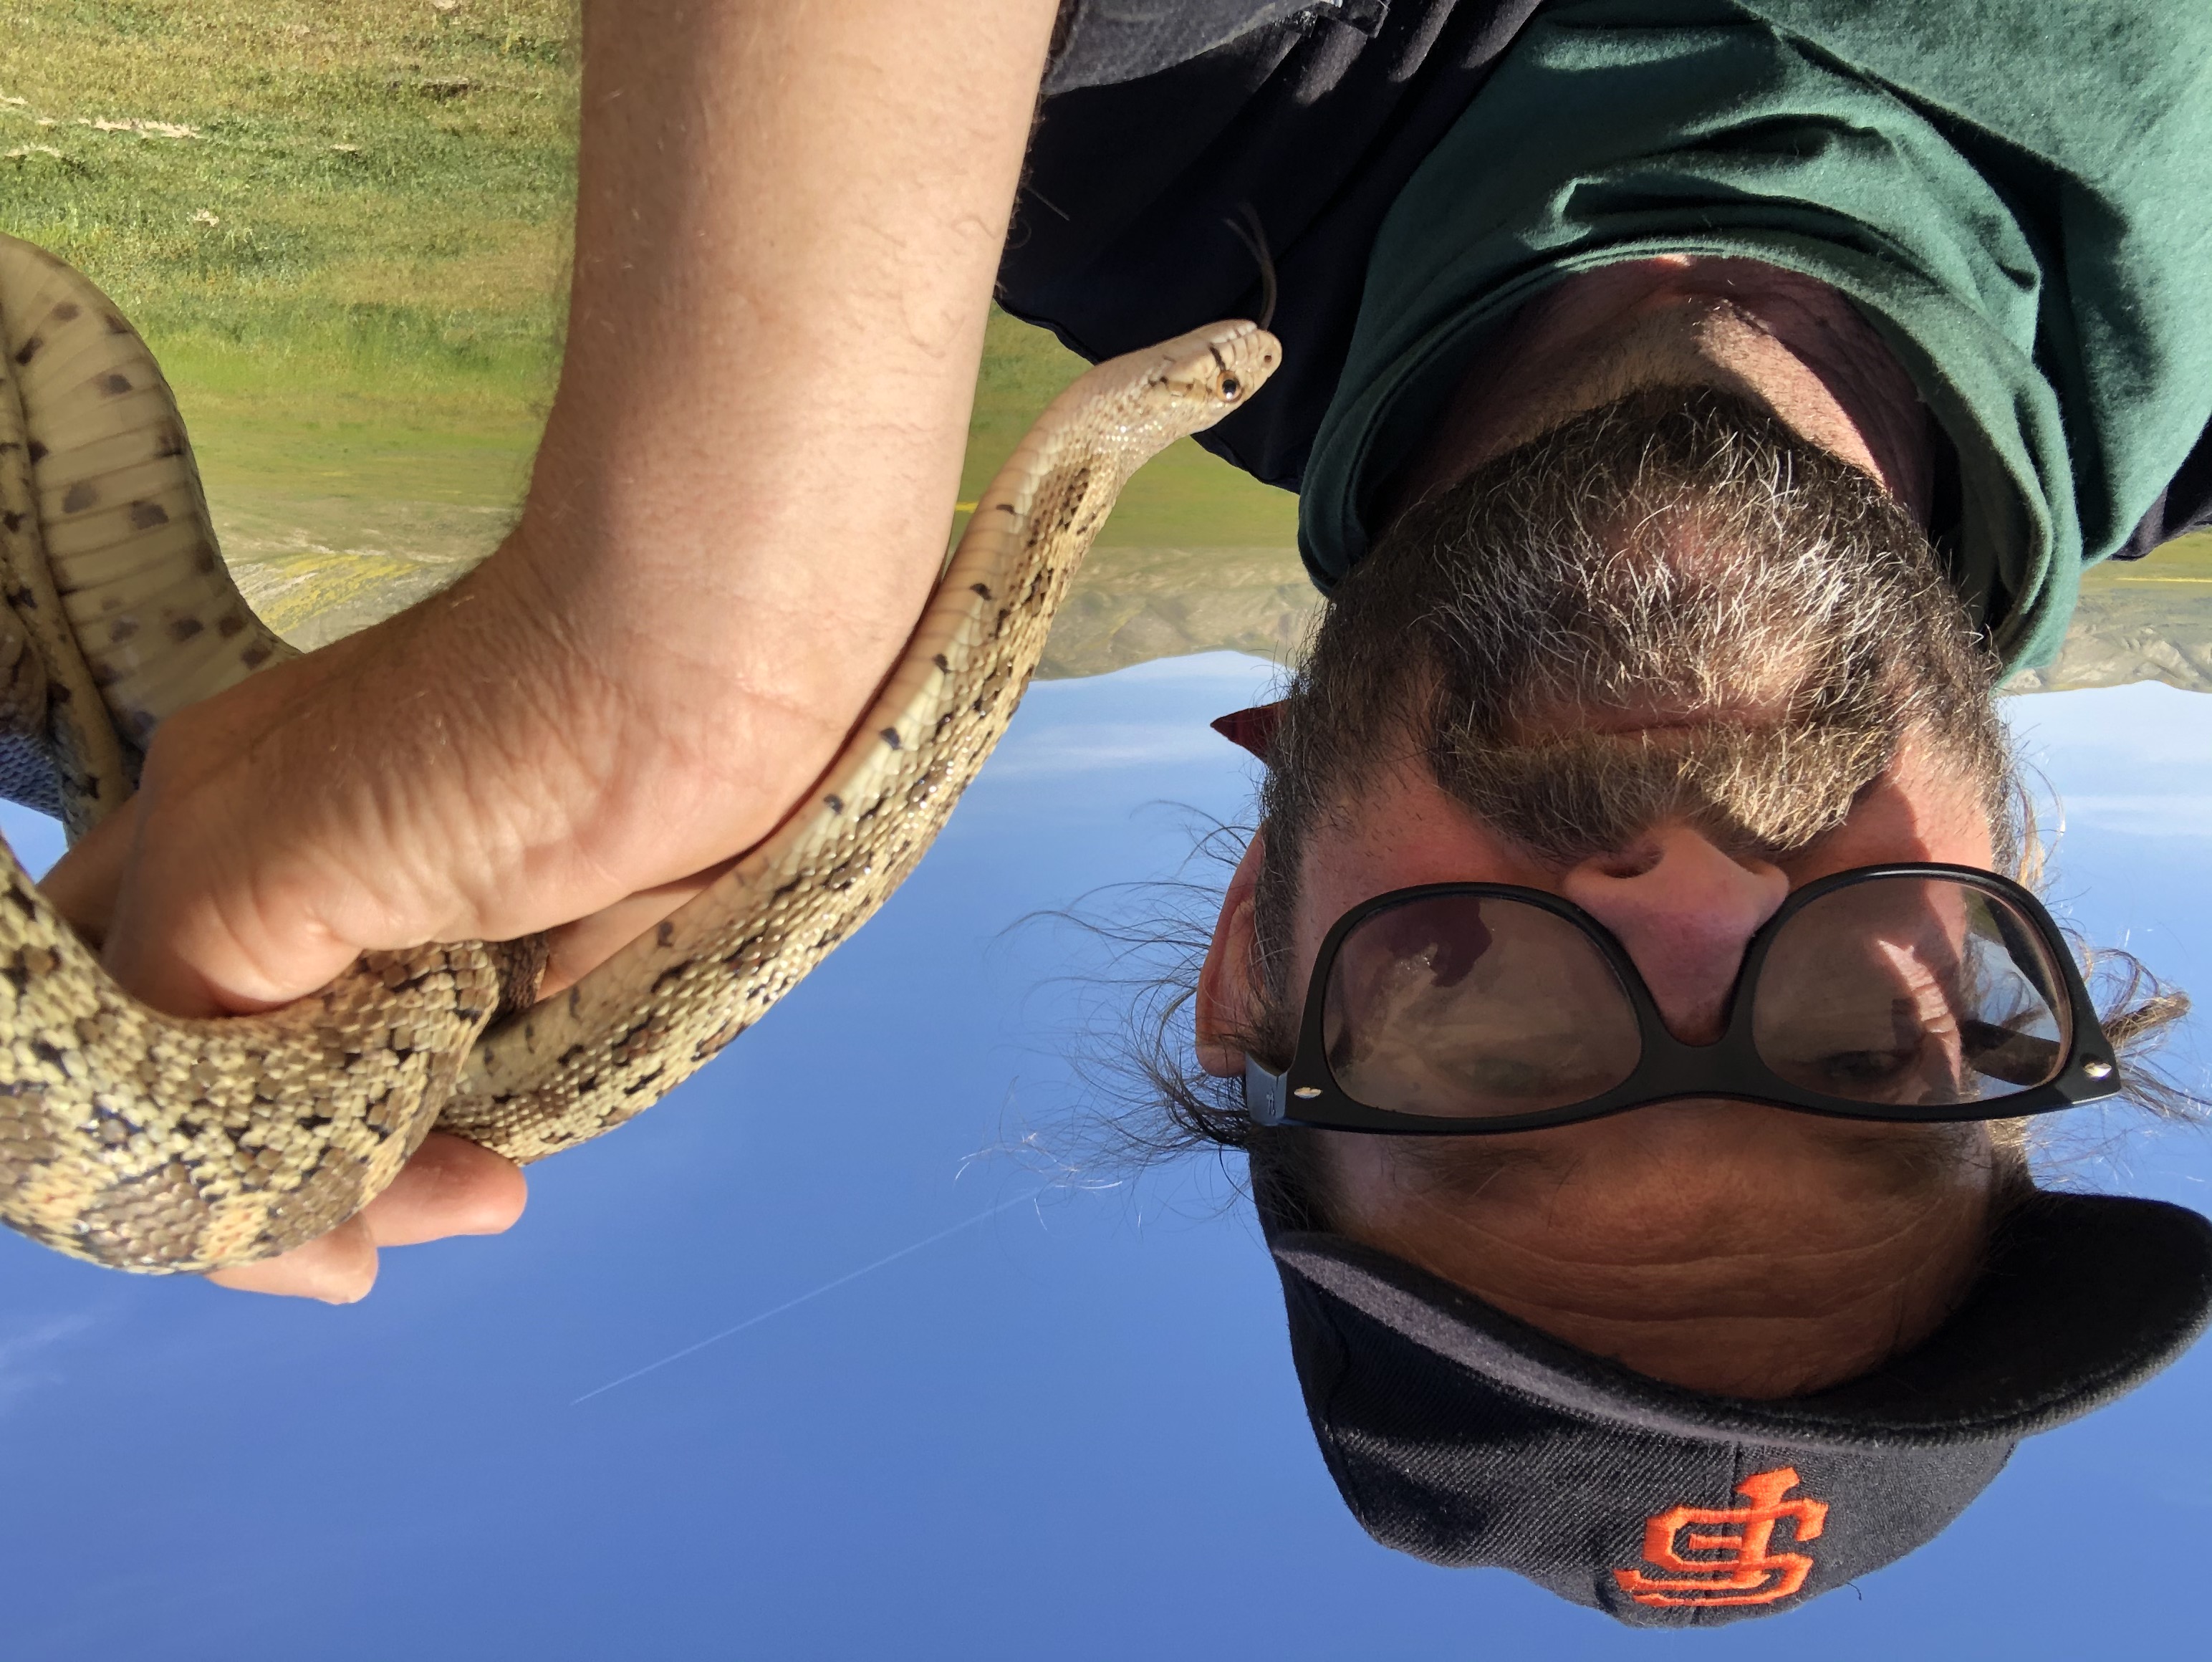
(1225, 984)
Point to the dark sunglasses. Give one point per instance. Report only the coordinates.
(1905, 992)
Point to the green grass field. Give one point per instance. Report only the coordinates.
(345, 230)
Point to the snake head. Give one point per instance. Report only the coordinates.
(1217, 369)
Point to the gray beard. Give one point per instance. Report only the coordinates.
(1679, 563)
(1764, 629)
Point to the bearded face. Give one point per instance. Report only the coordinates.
(1670, 607)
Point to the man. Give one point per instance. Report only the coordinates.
(1718, 406)
(1691, 403)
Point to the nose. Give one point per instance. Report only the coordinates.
(1684, 908)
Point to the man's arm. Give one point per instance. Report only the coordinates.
(788, 221)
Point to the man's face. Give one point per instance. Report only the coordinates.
(1672, 727)
(1721, 1246)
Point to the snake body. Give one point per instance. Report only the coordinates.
(152, 1143)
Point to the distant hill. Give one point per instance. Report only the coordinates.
(2134, 626)
(2150, 621)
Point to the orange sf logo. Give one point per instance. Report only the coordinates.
(1744, 1571)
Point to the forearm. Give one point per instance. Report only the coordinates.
(789, 222)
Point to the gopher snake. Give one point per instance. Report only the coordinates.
(154, 1143)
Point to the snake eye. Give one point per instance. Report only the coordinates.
(1231, 387)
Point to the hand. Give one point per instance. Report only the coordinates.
(193, 893)
(451, 774)
(462, 771)
(451, 1187)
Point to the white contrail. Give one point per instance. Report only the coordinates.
(826, 1287)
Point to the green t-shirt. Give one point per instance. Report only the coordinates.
(2017, 193)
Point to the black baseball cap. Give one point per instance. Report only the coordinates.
(1465, 1437)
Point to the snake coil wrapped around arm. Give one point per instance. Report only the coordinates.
(154, 1143)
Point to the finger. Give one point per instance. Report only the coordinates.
(451, 1187)
(338, 1268)
(82, 885)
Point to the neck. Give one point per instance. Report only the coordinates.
(1786, 341)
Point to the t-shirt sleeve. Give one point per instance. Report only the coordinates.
(2184, 506)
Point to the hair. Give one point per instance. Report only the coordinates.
(1678, 543)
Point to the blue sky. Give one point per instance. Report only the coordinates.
(1063, 1423)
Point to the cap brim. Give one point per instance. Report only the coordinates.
(2083, 1299)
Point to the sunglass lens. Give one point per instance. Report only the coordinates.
(1473, 1006)
(1914, 991)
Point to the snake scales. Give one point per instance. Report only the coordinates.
(152, 1143)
